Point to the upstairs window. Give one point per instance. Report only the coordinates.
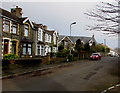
(6, 26)
(49, 38)
(40, 34)
(14, 28)
(54, 39)
(26, 30)
(46, 37)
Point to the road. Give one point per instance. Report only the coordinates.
(80, 76)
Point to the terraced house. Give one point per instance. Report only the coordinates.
(45, 40)
(23, 37)
(10, 32)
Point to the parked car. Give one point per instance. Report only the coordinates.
(95, 56)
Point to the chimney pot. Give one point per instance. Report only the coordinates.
(16, 6)
(17, 11)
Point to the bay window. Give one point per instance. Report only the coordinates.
(38, 49)
(42, 50)
(27, 49)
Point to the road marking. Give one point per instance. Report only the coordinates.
(110, 88)
(117, 85)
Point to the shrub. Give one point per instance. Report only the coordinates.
(60, 48)
(70, 57)
(63, 53)
(10, 56)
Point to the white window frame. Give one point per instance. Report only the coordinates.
(14, 28)
(26, 47)
(42, 50)
(54, 38)
(49, 38)
(38, 49)
(6, 25)
(46, 37)
(40, 34)
(26, 29)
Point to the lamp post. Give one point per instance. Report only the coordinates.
(70, 26)
(70, 33)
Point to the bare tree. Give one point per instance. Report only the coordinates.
(107, 16)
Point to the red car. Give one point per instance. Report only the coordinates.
(95, 56)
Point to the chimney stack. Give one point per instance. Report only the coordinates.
(45, 27)
(17, 11)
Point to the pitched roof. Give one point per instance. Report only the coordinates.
(37, 25)
(28, 20)
(23, 18)
(50, 32)
(75, 38)
(84, 39)
(10, 15)
(60, 37)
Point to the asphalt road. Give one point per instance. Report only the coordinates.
(80, 76)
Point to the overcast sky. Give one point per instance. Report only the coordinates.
(59, 16)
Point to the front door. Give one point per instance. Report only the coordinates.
(6, 46)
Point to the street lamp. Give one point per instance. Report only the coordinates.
(70, 26)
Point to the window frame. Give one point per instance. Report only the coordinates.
(26, 28)
(27, 47)
(40, 34)
(6, 24)
(42, 51)
(13, 26)
(38, 50)
(46, 37)
(54, 36)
